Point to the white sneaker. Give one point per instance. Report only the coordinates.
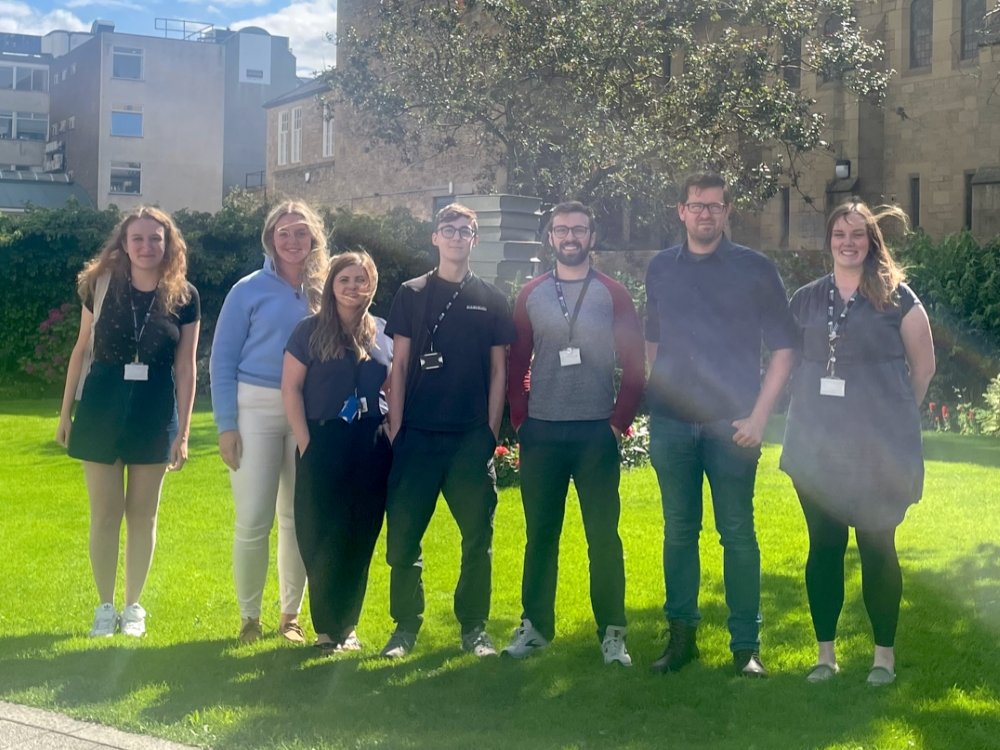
(105, 621)
(525, 641)
(134, 621)
(613, 647)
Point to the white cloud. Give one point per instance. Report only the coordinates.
(306, 25)
(115, 4)
(21, 18)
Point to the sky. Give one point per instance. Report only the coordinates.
(304, 22)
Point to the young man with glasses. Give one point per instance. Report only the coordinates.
(709, 302)
(571, 323)
(450, 334)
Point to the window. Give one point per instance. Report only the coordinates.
(786, 216)
(921, 28)
(833, 26)
(283, 120)
(125, 123)
(915, 201)
(125, 177)
(24, 126)
(23, 78)
(973, 16)
(126, 63)
(327, 130)
(791, 69)
(296, 135)
(967, 223)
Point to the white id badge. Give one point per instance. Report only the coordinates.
(831, 387)
(569, 356)
(136, 371)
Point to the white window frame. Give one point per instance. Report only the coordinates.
(129, 52)
(284, 118)
(327, 131)
(127, 110)
(296, 155)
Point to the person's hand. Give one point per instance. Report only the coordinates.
(303, 447)
(391, 430)
(178, 453)
(749, 432)
(231, 448)
(63, 430)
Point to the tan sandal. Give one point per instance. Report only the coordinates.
(292, 631)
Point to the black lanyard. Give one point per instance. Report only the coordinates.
(835, 327)
(447, 307)
(137, 331)
(579, 300)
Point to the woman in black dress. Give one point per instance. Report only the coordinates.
(852, 442)
(134, 414)
(335, 371)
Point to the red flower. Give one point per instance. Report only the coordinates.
(501, 450)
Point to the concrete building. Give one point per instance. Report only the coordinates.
(176, 120)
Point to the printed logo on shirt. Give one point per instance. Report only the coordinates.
(481, 308)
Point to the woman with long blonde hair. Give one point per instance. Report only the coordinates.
(852, 440)
(255, 439)
(134, 415)
(336, 366)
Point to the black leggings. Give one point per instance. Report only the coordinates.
(881, 579)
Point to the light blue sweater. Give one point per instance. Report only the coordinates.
(258, 316)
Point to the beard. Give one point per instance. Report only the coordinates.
(571, 253)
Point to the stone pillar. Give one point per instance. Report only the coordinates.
(508, 236)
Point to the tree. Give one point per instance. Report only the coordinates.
(603, 99)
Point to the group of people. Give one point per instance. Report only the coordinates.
(335, 420)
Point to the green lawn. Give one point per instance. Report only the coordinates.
(188, 682)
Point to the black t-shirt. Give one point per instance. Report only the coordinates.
(453, 398)
(328, 384)
(114, 341)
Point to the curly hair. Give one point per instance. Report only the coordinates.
(880, 275)
(317, 262)
(172, 291)
(333, 335)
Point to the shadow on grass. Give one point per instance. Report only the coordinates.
(970, 449)
(270, 695)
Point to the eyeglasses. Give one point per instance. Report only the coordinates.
(579, 231)
(448, 232)
(713, 208)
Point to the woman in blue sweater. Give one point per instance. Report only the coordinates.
(255, 439)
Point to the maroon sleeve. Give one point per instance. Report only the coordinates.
(631, 351)
(520, 357)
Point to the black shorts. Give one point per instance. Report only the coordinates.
(131, 421)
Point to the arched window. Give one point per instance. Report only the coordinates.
(921, 29)
(831, 27)
(973, 14)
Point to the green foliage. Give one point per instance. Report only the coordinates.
(958, 281)
(579, 98)
(41, 252)
(989, 419)
(55, 338)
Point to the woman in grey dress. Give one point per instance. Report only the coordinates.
(852, 442)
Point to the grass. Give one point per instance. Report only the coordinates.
(188, 682)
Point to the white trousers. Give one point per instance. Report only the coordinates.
(264, 484)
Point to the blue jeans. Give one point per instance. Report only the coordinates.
(682, 454)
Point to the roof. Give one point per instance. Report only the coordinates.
(40, 190)
(305, 91)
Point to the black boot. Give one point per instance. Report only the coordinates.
(681, 648)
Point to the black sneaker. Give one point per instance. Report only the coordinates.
(748, 664)
(681, 649)
(400, 644)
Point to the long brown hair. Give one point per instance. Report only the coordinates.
(314, 271)
(332, 337)
(880, 275)
(172, 291)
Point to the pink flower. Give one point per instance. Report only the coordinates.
(44, 326)
(55, 316)
(501, 450)
(629, 432)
